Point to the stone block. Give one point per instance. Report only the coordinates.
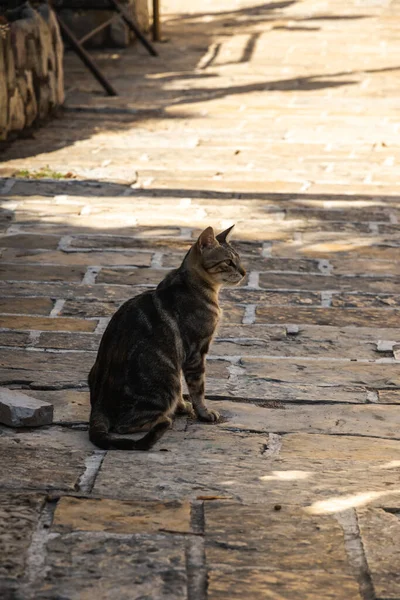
(285, 585)
(256, 537)
(19, 410)
(47, 324)
(24, 306)
(95, 565)
(116, 516)
(380, 532)
(19, 515)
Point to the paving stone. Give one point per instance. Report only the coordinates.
(42, 380)
(69, 405)
(370, 420)
(47, 361)
(68, 341)
(49, 468)
(28, 242)
(312, 282)
(236, 466)
(328, 316)
(74, 259)
(26, 306)
(131, 277)
(349, 214)
(14, 338)
(327, 373)
(19, 519)
(380, 534)
(256, 537)
(82, 565)
(115, 516)
(146, 238)
(365, 301)
(389, 396)
(331, 447)
(360, 267)
(20, 410)
(17, 272)
(318, 341)
(47, 324)
(306, 585)
(79, 308)
(71, 291)
(248, 296)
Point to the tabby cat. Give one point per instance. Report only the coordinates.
(153, 338)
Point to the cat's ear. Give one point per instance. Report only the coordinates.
(223, 237)
(207, 239)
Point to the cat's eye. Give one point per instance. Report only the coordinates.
(231, 263)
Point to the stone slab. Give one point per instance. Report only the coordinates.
(83, 566)
(312, 340)
(17, 339)
(16, 272)
(366, 420)
(46, 324)
(69, 405)
(19, 518)
(207, 461)
(29, 241)
(27, 467)
(340, 448)
(240, 536)
(374, 285)
(26, 306)
(285, 585)
(116, 516)
(338, 317)
(68, 341)
(389, 396)
(19, 410)
(75, 259)
(43, 380)
(380, 533)
(327, 373)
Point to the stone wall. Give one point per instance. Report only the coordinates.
(117, 33)
(31, 69)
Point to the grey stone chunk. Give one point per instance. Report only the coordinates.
(19, 410)
(292, 329)
(385, 346)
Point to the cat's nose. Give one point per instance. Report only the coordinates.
(242, 271)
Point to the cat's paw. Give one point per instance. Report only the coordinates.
(209, 415)
(185, 408)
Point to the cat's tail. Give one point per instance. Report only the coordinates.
(99, 435)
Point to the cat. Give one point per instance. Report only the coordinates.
(153, 338)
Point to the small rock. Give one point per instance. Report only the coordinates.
(20, 410)
(385, 346)
(396, 351)
(292, 330)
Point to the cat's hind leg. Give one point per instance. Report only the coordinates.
(185, 407)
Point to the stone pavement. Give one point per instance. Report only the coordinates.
(281, 117)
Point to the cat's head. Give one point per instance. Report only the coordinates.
(216, 257)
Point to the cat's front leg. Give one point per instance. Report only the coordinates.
(194, 371)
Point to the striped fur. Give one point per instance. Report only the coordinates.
(152, 339)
